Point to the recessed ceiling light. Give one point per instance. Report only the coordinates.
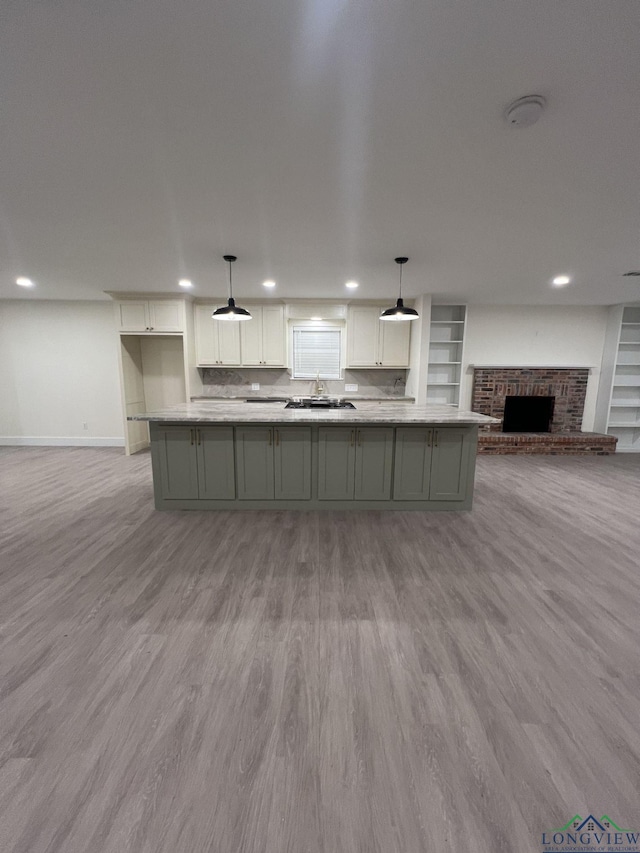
(316, 318)
(351, 284)
(268, 283)
(525, 111)
(184, 282)
(561, 280)
(24, 282)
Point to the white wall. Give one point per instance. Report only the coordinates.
(59, 370)
(536, 336)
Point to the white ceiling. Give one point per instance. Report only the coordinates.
(317, 140)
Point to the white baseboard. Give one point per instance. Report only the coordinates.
(59, 441)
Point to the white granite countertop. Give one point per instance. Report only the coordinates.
(240, 412)
(352, 397)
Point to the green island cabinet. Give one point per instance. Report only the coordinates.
(431, 464)
(273, 463)
(355, 464)
(195, 463)
(281, 466)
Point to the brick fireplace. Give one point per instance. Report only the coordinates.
(568, 385)
(492, 385)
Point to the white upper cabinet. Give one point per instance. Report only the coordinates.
(372, 343)
(217, 341)
(166, 316)
(161, 315)
(263, 337)
(393, 342)
(362, 336)
(132, 316)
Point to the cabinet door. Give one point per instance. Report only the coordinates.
(412, 466)
(217, 341)
(254, 463)
(228, 335)
(394, 344)
(272, 335)
(166, 316)
(292, 458)
(133, 316)
(336, 463)
(207, 349)
(374, 463)
(216, 463)
(178, 463)
(251, 338)
(450, 464)
(362, 336)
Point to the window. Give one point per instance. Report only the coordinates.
(316, 353)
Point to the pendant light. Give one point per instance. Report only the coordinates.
(400, 311)
(231, 310)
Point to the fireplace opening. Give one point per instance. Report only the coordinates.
(527, 414)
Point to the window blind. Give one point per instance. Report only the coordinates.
(316, 351)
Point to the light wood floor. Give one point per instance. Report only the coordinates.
(302, 682)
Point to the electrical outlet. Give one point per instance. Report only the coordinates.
(351, 388)
(255, 386)
(85, 425)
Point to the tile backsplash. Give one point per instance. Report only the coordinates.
(236, 382)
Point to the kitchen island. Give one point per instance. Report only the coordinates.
(234, 455)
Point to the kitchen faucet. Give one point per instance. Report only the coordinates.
(319, 386)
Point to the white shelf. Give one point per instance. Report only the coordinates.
(445, 356)
(447, 313)
(624, 405)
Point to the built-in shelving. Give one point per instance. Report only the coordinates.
(624, 407)
(445, 354)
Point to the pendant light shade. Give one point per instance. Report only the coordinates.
(231, 310)
(400, 312)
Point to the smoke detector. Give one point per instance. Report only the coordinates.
(524, 111)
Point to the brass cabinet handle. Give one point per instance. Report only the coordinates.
(199, 437)
(191, 431)
(435, 433)
(269, 438)
(277, 437)
(352, 437)
(359, 438)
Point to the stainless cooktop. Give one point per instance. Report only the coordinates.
(319, 403)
